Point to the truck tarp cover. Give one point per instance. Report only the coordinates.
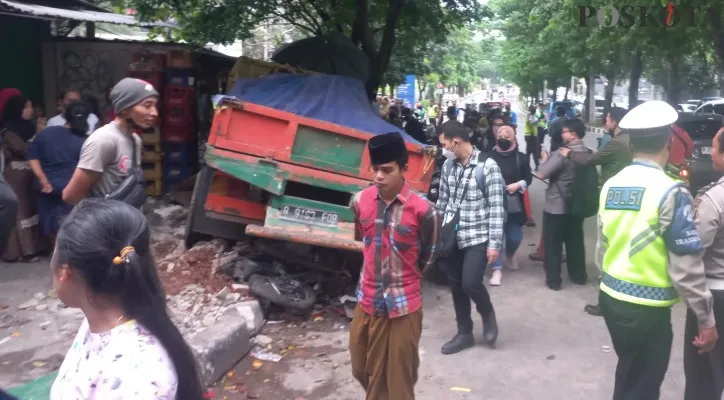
(336, 99)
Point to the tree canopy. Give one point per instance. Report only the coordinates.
(378, 27)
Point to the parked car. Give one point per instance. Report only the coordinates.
(707, 99)
(712, 107)
(567, 104)
(701, 128)
(688, 107)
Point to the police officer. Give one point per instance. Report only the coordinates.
(650, 253)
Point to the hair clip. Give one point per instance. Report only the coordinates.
(124, 255)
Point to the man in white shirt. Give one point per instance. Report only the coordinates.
(70, 96)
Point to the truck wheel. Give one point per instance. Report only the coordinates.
(201, 189)
(284, 292)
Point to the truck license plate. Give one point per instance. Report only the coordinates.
(706, 150)
(299, 214)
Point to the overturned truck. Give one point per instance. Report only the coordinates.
(284, 157)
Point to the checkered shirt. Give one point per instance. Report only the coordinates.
(481, 217)
(400, 241)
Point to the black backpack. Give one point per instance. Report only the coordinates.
(584, 194)
(480, 179)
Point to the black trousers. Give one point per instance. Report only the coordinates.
(704, 372)
(8, 213)
(559, 229)
(542, 132)
(532, 146)
(641, 336)
(465, 275)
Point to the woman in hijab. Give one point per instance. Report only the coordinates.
(17, 130)
(53, 157)
(515, 167)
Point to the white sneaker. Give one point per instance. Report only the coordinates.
(496, 278)
(512, 263)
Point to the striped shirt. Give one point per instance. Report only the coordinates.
(399, 243)
(482, 214)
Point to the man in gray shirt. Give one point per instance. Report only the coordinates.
(107, 155)
(559, 226)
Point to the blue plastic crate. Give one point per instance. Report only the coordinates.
(183, 77)
(177, 173)
(179, 153)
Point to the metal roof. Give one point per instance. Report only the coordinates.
(52, 13)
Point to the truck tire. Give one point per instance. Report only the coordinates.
(201, 189)
(283, 291)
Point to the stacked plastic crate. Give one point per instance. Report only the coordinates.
(179, 132)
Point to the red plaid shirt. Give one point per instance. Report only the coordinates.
(399, 243)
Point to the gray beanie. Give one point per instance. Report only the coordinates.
(129, 92)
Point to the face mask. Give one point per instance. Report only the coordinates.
(448, 154)
(504, 144)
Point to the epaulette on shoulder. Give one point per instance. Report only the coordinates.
(701, 193)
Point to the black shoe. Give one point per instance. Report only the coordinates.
(554, 286)
(490, 330)
(593, 309)
(460, 342)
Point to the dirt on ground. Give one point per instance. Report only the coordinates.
(254, 378)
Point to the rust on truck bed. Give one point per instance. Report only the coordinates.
(299, 237)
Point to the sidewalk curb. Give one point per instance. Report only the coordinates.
(224, 343)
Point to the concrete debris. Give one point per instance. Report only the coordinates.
(40, 296)
(252, 314)
(262, 340)
(195, 266)
(41, 307)
(265, 355)
(32, 303)
(194, 309)
(222, 293)
(220, 346)
(45, 325)
(239, 286)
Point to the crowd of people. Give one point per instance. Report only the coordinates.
(61, 188)
(655, 242)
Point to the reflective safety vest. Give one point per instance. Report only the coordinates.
(542, 122)
(635, 262)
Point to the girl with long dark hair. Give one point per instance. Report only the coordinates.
(16, 131)
(127, 347)
(53, 156)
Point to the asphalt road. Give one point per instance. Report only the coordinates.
(548, 347)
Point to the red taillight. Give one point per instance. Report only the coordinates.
(684, 173)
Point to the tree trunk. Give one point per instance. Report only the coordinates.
(609, 92)
(717, 33)
(587, 101)
(461, 91)
(672, 84)
(379, 58)
(423, 86)
(565, 96)
(392, 91)
(637, 67)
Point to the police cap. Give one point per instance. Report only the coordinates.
(651, 118)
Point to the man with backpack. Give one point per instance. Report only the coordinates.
(472, 201)
(571, 196)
